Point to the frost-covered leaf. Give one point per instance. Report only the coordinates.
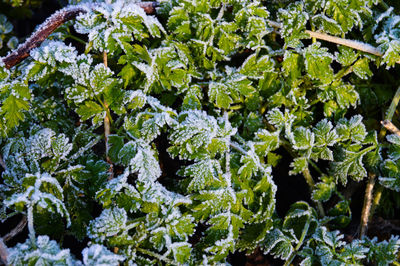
(203, 174)
(352, 165)
(361, 68)
(317, 62)
(40, 190)
(298, 165)
(15, 105)
(100, 255)
(294, 21)
(181, 251)
(352, 129)
(109, 223)
(195, 133)
(278, 244)
(43, 252)
(323, 190)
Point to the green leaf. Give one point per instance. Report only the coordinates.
(323, 190)
(361, 68)
(181, 251)
(299, 165)
(203, 174)
(346, 55)
(88, 110)
(326, 24)
(317, 62)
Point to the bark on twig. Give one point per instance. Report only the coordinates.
(367, 204)
(107, 122)
(3, 252)
(389, 126)
(20, 226)
(360, 46)
(50, 25)
(44, 30)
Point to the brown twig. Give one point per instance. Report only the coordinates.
(391, 127)
(50, 25)
(20, 226)
(367, 204)
(107, 121)
(44, 30)
(3, 252)
(363, 47)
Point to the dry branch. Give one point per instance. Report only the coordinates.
(391, 127)
(367, 204)
(20, 226)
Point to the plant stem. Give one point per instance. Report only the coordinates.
(390, 112)
(50, 25)
(155, 255)
(31, 227)
(375, 202)
(20, 226)
(298, 246)
(387, 125)
(391, 127)
(365, 213)
(363, 47)
(107, 127)
(311, 185)
(3, 252)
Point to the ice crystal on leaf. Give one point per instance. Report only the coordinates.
(40, 190)
(100, 255)
(44, 251)
(201, 106)
(109, 26)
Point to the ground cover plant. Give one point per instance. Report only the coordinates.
(201, 132)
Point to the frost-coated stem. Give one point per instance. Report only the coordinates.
(31, 228)
(237, 147)
(360, 46)
(367, 204)
(298, 246)
(50, 25)
(155, 255)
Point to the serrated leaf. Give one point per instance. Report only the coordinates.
(88, 110)
(317, 62)
(361, 68)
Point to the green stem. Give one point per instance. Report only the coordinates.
(76, 39)
(298, 246)
(155, 255)
(315, 166)
(343, 72)
(311, 184)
